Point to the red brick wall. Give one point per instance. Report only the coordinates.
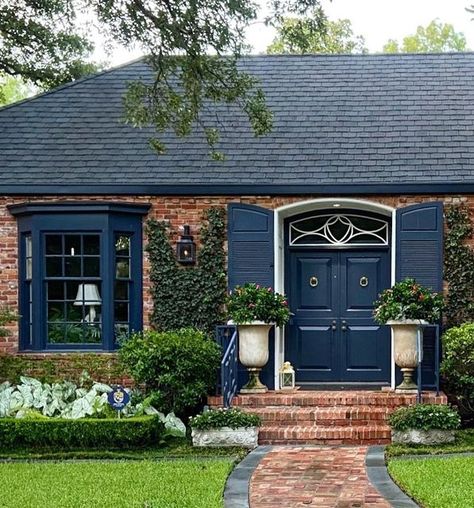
(177, 210)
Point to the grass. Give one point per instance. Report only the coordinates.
(438, 482)
(464, 443)
(181, 483)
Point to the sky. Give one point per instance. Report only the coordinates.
(376, 20)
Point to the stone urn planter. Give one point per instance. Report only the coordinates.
(425, 437)
(246, 437)
(405, 338)
(253, 353)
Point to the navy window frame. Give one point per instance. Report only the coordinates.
(106, 219)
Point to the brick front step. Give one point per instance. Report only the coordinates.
(328, 416)
(301, 434)
(330, 399)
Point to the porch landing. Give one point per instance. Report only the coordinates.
(326, 417)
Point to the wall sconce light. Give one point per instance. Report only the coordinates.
(186, 248)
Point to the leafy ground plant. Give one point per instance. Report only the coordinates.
(183, 483)
(425, 417)
(218, 418)
(437, 482)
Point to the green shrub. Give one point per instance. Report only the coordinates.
(253, 302)
(425, 417)
(215, 419)
(457, 366)
(64, 434)
(408, 300)
(178, 368)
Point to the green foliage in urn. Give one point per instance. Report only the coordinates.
(253, 302)
(457, 366)
(408, 300)
(458, 266)
(218, 418)
(425, 417)
(188, 296)
(177, 368)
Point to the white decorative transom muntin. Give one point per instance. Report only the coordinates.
(338, 230)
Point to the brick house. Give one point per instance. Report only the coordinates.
(343, 198)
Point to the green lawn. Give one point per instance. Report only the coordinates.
(437, 482)
(180, 483)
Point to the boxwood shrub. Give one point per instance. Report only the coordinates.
(425, 417)
(63, 434)
(218, 418)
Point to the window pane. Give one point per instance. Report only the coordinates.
(92, 334)
(74, 333)
(56, 333)
(72, 245)
(54, 244)
(55, 290)
(54, 267)
(56, 311)
(91, 244)
(122, 245)
(28, 247)
(29, 268)
(122, 270)
(72, 266)
(74, 312)
(121, 311)
(91, 267)
(121, 330)
(121, 290)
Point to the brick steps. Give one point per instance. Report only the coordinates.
(301, 434)
(328, 416)
(329, 399)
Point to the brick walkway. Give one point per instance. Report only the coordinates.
(327, 477)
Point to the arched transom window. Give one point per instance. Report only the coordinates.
(339, 230)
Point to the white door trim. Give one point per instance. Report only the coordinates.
(280, 214)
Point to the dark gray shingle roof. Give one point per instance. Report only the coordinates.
(337, 120)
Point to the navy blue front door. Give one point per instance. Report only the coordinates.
(332, 336)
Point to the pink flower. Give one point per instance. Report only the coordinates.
(251, 305)
(285, 302)
(258, 286)
(269, 290)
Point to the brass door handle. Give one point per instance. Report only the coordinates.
(344, 326)
(334, 326)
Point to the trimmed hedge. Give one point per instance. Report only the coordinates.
(60, 433)
(425, 417)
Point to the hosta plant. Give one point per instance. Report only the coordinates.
(32, 399)
(408, 300)
(253, 302)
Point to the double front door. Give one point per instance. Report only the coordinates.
(332, 336)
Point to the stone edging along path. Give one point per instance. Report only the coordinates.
(236, 493)
(381, 480)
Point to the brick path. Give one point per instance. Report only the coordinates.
(327, 477)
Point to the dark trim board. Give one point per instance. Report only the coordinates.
(59, 189)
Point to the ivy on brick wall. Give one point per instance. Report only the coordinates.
(188, 296)
(459, 266)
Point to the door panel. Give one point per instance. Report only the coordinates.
(332, 335)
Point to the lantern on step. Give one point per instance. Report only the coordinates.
(287, 377)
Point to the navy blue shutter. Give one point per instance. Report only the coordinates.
(250, 245)
(250, 259)
(420, 244)
(420, 256)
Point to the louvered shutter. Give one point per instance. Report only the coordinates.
(250, 259)
(419, 254)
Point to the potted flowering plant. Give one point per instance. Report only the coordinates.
(255, 309)
(407, 306)
(225, 427)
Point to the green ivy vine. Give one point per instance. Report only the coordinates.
(458, 266)
(188, 296)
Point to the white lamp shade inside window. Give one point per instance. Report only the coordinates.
(88, 294)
